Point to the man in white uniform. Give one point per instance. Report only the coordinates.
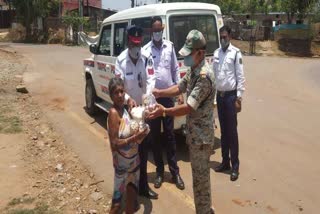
(228, 68)
(166, 72)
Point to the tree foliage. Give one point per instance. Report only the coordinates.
(74, 20)
(297, 7)
(30, 10)
(292, 8)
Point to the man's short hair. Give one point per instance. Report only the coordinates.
(156, 19)
(225, 28)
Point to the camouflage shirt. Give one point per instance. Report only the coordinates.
(200, 87)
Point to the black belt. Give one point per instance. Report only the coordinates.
(227, 93)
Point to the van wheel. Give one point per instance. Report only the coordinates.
(91, 98)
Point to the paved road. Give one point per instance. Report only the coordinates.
(279, 133)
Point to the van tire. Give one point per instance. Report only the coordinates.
(91, 98)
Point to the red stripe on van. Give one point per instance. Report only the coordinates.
(89, 63)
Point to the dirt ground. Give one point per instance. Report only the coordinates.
(278, 132)
(38, 172)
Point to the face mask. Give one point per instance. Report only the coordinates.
(135, 52)
(157, 36)
(188, 61)
(224, 43)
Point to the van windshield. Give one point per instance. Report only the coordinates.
(181, 25)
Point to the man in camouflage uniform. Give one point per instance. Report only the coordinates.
(199, 85)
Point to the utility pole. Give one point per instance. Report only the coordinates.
(81, 13)
(81, 16)
(60, 13)
(132, 3)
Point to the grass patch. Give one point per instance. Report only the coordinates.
(10, 124)
(17, 201)
(40, 208)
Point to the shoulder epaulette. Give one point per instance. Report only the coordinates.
(203, 72)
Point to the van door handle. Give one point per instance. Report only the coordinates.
(108, 68)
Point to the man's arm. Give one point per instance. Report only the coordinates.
(150, 76)
(239, 75)
(179, 110)
(176, 111)
(175, 73)
(199, 93)
(174, 67)
(173, 91)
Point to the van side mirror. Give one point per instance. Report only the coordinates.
(93, 48)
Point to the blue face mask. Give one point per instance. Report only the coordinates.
(188, 61)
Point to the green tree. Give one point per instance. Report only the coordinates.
(227, 6)
(297, 7)
(74, 20)
(30, 10)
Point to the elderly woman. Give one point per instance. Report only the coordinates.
(124, 145)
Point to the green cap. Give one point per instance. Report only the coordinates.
(194, 40)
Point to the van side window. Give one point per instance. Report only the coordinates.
(105, 41)
(120, 38)
(145, 24)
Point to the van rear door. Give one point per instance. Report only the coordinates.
(180, 24)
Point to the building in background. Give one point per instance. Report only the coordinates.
(69, 5)
(91, 8)
(4, 5)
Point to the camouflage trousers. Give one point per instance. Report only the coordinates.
(200, 158)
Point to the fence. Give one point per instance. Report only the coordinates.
(6, 17)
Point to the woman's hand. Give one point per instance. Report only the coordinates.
(140, 135)
(131, 104)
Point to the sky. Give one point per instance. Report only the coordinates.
(123, 4)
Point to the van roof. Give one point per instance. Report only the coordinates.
(159, 10)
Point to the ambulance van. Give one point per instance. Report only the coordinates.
(178, 19)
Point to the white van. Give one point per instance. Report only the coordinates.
(178, 19)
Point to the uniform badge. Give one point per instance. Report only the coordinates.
(240, 61)
(150, 71)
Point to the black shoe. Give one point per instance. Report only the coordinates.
(149, 193)
(234, 175)
(158, 181)
(178, 181)
(223, 167)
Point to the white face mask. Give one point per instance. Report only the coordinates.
(224, 43)
(135, 52)
(157, 36)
